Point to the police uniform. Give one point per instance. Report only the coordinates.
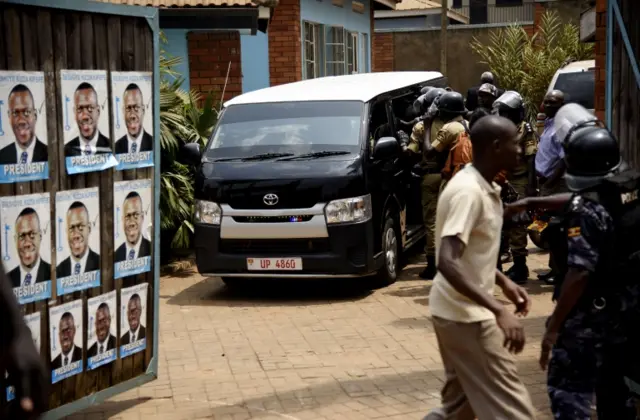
(430, 181)
(519, 179)
(591, 342)
(446, 139)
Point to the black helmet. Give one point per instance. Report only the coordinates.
(432, 95)
(510, 105)
(425, 89)
(591, 152)
(419, 107)
(451, 103)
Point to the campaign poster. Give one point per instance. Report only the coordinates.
(77, 240)
(133, 320)
(102, 314)
(26, 245)
(65, 330)
(33, 322)
(132, 218)
(85, 113)
(24, 154)
(132, 110)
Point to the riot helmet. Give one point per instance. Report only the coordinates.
(510, 105)
(591, 152)
(451, 104)
(425, 89)
(487, 94)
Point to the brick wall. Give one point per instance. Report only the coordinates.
(209, 56)
(383, 52)
(285, 48)
(601, 52)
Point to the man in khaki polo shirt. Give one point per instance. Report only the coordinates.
(476, 333)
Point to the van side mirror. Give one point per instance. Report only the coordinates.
(386, 148)
(191, 153)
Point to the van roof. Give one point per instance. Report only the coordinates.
(578, 66)
(354, 87)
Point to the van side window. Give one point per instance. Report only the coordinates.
(402, 108)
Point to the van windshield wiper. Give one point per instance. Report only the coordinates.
(262, 156)
(316, 155)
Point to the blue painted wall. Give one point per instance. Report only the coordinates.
(322, 11)
(176, 46)
(254, 55)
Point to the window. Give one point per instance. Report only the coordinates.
(335, 51)
(311, 50)
(577, 87)
(457, 4)
(508, 3)
(332, 51)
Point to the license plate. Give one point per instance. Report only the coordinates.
(274, 264)
(538, 226)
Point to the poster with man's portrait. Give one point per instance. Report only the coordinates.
(24, 152)
(132, 110)
(85, 113)
(33, 322)
(133, 319)
(102, 314)
(26, 245)
(65, 331)
(132, 219)
(77, 240)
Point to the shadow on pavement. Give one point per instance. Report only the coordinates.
(273, 292)
(108, 409)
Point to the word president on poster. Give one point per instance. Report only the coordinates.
(33, 322)
(23, 127)
(133, 119)
(101, 330)
(65, 330)
(26, 245)
(133, 319)
(132, 217)
(77, 240)
(85, 109)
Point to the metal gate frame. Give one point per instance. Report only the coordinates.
(614, 10)
(152, 17)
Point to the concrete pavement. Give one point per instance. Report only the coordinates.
(304, 351)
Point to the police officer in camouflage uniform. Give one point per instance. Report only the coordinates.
(431, 179)
(596, 313)
(523, 179)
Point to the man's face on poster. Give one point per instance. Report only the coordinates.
(103, 323)
(133, 111)
(134, 309)
(28, 238)
(78, 230)
(66, 334)
(133, 219)
(22, 117)
(87, 112)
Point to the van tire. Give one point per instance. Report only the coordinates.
(389, 245)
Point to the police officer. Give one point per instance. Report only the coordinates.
(597, 303)
(523, 178)
(430, 169)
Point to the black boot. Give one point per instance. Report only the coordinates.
(430, 270)
(519, 273)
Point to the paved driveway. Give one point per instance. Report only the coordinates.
(303, 351)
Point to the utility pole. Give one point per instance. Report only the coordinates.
(444, 20)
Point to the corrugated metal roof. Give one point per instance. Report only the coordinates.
(189, 3)
(417, 5)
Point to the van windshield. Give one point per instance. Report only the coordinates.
(577, 87)
(287, 128)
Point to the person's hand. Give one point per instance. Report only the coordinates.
(29, 376)
(513, 331)
(518, 296)
(548, 341)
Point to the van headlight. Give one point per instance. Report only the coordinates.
(207, 212)
(349, 210)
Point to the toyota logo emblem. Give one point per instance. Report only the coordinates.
(270, 199)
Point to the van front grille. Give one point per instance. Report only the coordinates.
(278, 247)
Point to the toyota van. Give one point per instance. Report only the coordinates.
(305, 180)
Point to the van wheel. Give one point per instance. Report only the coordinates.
(388, 273)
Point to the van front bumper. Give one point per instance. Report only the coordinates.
(344, 251)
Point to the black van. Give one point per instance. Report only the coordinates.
(303, 180)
